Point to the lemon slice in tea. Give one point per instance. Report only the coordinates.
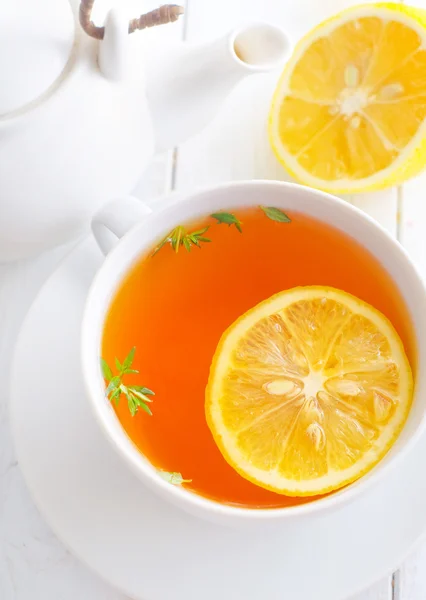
(308, 391)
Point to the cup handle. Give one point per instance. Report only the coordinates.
(115, 219)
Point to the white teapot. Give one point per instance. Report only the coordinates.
(83, 108)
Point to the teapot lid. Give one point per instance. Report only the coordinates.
(36, 40)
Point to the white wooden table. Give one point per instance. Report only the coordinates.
(33, 564)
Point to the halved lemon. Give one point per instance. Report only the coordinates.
(308, 391)
(349, 111)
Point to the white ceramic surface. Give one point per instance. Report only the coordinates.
(200, 76)
(89, 133)
(36, 40)
(141, 228)
(141, 544)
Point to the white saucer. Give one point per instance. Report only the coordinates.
(143, 546)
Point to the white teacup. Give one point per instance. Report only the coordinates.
(140, 228)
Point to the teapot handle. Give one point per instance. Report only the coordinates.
(115, 219)
(167, 13)
(114, 59)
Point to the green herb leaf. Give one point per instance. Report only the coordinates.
(129, 358)
(133, 407)
(180, 237)
(113, 384)
(146, 408)
(200, 231)
(106, 371)
(143, 390)
(187, 244)
(228, 218)
(275, 214)
(174, 478)
(194, 241)
(137, 396)
(116, 395)
(111, 388)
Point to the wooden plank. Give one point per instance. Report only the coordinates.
(413, 220)
(156, 179)
(380, 591)
(382, 206)
(235, 145)
(411, 577)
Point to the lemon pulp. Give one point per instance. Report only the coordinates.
(308, 391)
(349, 111)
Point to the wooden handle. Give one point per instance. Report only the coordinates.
(160, 16)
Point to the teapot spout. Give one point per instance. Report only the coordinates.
(187, 88)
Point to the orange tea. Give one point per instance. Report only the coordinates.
(177, 301)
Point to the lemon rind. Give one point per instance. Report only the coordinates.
(273, 480)
(410, 160)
